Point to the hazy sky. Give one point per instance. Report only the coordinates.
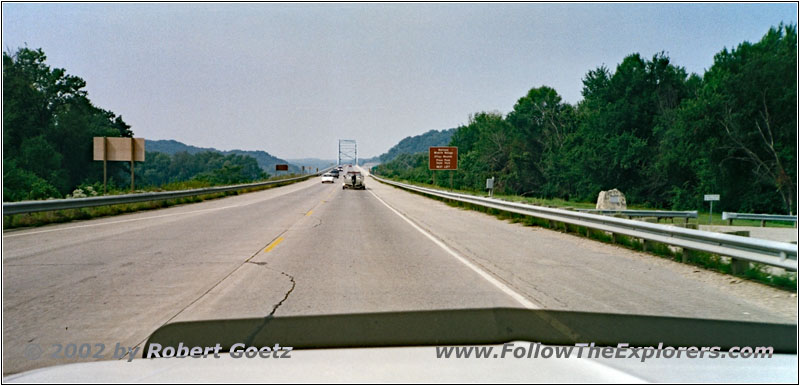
(291, 79)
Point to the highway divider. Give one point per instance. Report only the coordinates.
(10, 208)
(768, 252)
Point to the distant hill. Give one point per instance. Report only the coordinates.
(415, 144)
(313, 162)
(171, 146)
(265, 160)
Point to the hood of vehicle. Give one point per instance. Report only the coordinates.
(399, 347)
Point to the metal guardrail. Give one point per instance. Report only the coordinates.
(659, 214)
(10, 208)
(773, 253)
(730, 216)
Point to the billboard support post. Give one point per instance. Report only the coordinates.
(133, 156)
(451, 179)
(105, 165)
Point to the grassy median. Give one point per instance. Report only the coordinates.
(59, 216)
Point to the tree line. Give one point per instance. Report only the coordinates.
(208, 166)
(48, 126)
(662, 136)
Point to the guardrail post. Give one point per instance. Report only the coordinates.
(685, 255)
(738, 266)
(645, 245)
(763, 223)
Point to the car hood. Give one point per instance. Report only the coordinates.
(396, 347)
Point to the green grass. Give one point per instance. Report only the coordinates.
(61, 216)
(702, 213)
(756, 272)
(180, 185)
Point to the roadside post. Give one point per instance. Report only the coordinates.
(133, 156)
(710, 198)
(105, 164)
(443, 158)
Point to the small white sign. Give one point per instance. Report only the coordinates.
(711, 197)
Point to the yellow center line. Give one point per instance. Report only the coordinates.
(273, 244)
(309, 213)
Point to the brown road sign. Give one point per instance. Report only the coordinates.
(279, 167)
(118, 149)
(443, 158)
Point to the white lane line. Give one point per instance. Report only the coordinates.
(491, 279)
(116, 222)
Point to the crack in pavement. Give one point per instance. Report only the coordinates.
(294, 284)
(291, 279)
(212, 287)
(249, 260)
(252, 336)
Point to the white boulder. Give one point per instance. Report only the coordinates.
(611, 199)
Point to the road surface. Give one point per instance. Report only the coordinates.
(312, 248)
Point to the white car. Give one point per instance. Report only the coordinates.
(327, 177)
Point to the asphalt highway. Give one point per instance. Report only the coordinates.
(312, 248)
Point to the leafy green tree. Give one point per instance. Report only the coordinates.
(751, 94)
(621, 120)
(662, 136)
(544, 123)
(20, 184)
(212, 167)
(48, 125)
